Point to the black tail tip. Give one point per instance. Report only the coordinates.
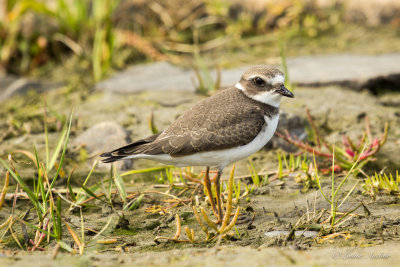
(112, 159)
(109, 158)
(106, 155)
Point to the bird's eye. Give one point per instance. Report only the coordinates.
(258, 81)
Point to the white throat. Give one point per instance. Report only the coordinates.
(268, 97)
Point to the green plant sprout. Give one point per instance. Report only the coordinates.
(334, 198)
(80, 25)
(205, 81)
(41, 196)
(254, 176)
(315, 220)
(346, 155)
(297, 167)
(382, 184)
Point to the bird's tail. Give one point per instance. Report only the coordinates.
(108, 157)
(128, 150)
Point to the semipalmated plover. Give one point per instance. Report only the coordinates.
(224, 128)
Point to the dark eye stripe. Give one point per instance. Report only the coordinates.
(258, 81)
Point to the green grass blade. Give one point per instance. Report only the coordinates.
(135, 204)
(286, 162)
(62, 155)
(38, 229)
(349, 193)
(88, 177)
(28, 191)
(71, 191)
(39, 171)
(350, 171)
(347, 213)
(87, 190)
(280, 166)
(65, 246)
(97, 52)
(291, 162)
(82, 228)
(42, 191)
(109, 187)
(170, 176)
(83, 197)
(120, 184)
(297, 161)
(318, 181)
(181, 178)
(58, 221)
(53, 218)
(50, 164)
(46, 139)
(147, 170)
(254, 175)
(101, 231)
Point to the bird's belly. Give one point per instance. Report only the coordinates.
(221, 158)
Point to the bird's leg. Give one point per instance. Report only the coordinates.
(207, 185)
(218, 190)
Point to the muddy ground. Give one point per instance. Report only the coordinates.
(368, 239)
(372, 239)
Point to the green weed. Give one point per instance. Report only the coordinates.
(299, 168)
(382, 184)
(41, 195)
(46, 204)
(254, 176)
(80, 26)
(334, 198)
(361, 151)
(206, 83)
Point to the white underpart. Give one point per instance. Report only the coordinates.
(219, 158)
(266, 97)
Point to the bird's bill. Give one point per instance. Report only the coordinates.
(285, 92)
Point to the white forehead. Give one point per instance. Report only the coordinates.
(277, 79)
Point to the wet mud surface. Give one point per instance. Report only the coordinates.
(368, 238)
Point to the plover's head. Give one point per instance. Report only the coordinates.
(265, 84)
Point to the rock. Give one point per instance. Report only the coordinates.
(6, 80)
(15, 86)
(169, 77)
(354, 71)
(101, 137)
(157, 76)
